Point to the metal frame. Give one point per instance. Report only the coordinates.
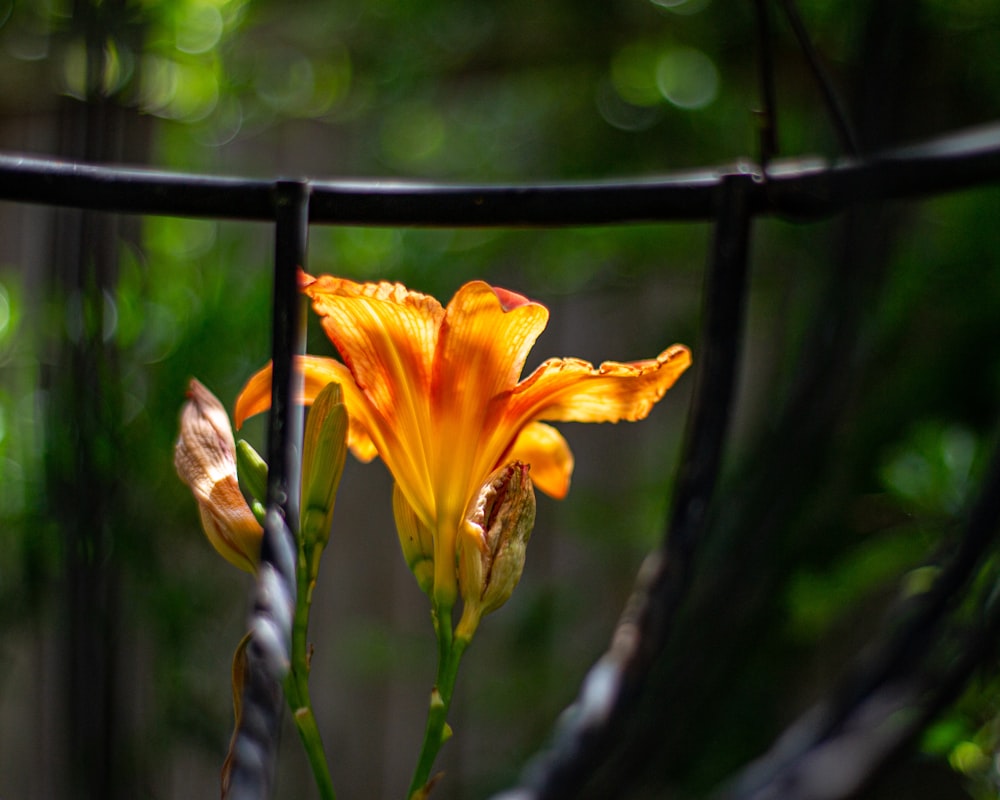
(732, 197)
(796, 188)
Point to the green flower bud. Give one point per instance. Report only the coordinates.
(323, 453)
(252, 471)
(415, 539)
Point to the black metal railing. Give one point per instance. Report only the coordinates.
(801, 189)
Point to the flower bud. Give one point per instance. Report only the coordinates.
(323, 452)
(493, 542)
(415, 539)
(251, 471)
(205, 458)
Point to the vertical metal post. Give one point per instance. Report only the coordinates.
(87, 436)
(255, 747)
(719, 359)
(288, 340)
(613, 686)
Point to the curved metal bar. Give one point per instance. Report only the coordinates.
(268, 653)
(613, 685)
(806, 188)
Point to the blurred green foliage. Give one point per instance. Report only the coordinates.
(472, 91)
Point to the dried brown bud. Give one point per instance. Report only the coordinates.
(205, 458)
(493, 542)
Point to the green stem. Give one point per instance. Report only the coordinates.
(297, 686)
(305, 723)
(436, 732)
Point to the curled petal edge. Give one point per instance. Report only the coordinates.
(573, 390)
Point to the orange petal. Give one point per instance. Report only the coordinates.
(385, 333)
(484, 341)
(485, 338)
(255, 396)
(571, 390)
(317, 372)
(387, 336)
(551, 460)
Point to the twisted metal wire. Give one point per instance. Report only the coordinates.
(268, 654)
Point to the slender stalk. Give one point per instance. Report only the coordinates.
(312, 742)
(765, 69)
(297, 685)
(436, 732)
(835, 108)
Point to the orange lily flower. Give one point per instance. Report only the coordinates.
(435, 392)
